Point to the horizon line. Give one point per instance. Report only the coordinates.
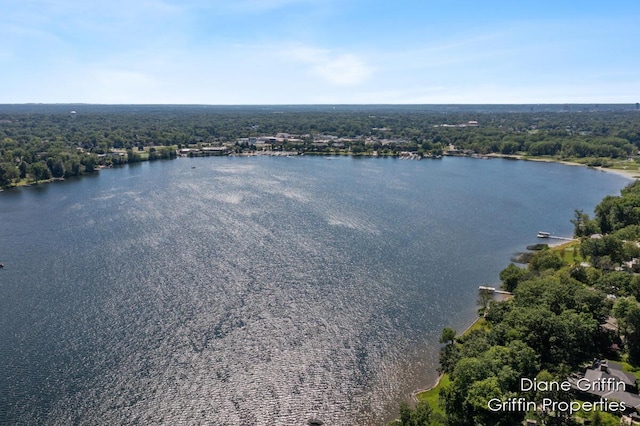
(320, 104)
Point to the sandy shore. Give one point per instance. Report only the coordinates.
(629, 174)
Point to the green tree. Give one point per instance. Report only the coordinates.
(419, 416)
(39, 171)
(448, 358)
(623, 309)
(602, 251)
(615, 282)
(422, 414)
(484, 297)
(8, 174)
(478, 396)
(57, 169)
(511, 275)
(89, 164)
(23, 168)
(405, 414)
(558, 338)
(583, 226)
(633, 335)
(448, 335)
(132, 156)
(599, 418)
(546, 259)
(153, 154)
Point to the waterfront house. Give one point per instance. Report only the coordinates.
(606, 380)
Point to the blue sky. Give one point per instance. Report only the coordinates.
(319, 51)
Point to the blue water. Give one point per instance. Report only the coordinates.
(257, 290)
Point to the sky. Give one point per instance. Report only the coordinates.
(233, 52)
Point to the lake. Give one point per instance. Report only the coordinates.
(257, 290)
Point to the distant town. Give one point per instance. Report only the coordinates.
(299, 144)
(40, 143)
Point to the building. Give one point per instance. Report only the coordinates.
(607, 380)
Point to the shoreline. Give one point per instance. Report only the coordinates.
(414, 394)
(628, 174)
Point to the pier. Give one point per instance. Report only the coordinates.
(562, 238)
(542, 234)
(494, 290)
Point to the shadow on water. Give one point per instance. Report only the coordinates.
(11, 192)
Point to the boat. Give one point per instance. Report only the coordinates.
(542, 234)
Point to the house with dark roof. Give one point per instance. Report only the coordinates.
(607, 380)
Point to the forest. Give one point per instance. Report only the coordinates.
(42, 142)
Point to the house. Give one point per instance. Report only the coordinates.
(263, 145)
(610, 324)
(215, 150)
(606, 380)
(183, 152)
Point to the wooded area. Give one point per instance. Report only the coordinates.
(39, 142)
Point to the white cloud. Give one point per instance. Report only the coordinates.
(249, 7)
(343, 69)
(262, 5)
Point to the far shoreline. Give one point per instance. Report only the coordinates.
(629, 174)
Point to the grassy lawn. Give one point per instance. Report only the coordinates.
(431, 396)
(26, 181)
(626, 166)
(480, 324)
(630, 369)
(570, 252)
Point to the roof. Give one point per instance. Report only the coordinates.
(610, 324)
(602, 379)
(629, 399)
(615, 368)
(609, 370)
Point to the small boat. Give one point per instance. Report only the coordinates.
(1, 265)
(542, 234)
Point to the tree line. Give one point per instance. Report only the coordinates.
(47, 142)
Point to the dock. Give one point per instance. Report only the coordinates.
(562, 238)
(494, 290)
(542, 234)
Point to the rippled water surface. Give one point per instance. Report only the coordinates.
(256, 290)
